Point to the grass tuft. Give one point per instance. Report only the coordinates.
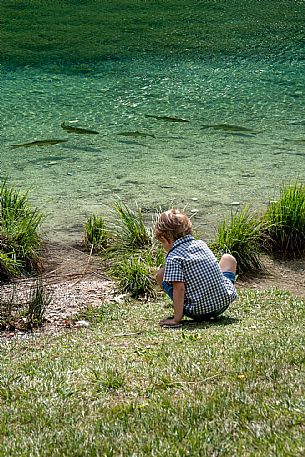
(131, 230)
(96, 235)
(134, 276)
(9, 267)
(37, 303)
(284, 236)
(132, 256)
(24, 313)
(19, 237)
(240, 236)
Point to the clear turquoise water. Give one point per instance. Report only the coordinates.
(181, 164)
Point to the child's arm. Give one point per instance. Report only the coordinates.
(178, 302)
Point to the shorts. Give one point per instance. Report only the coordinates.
(168, 289)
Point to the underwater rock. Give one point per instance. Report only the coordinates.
(38, 143)
(228, 128)
(167, 118)
(79, 130)
(137, 134)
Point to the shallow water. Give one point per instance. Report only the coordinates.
(244, 138)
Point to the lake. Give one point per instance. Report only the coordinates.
(197, 104)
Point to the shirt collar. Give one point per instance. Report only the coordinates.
(182, 240)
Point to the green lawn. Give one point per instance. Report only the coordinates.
(125, 387)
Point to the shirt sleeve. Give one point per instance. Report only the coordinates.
(173, 270)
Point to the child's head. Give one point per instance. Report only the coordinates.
(172, 224)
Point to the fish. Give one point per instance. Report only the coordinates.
(38, 143)
(297, 141)
(227, 127)
(133, 143)
(244, 135)
(301, 122)
(79, 130)
(137, 134)
(167, 118)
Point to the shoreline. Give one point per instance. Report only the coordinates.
(76, 280)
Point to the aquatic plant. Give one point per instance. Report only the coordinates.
(239, 235)
(284, 235)
(131, 230)
(19, 237)
(96, 235)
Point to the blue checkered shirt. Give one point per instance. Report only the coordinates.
(206, 288)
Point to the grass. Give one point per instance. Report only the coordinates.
(24, 313)
(135, 276)
(126, 387)
(96, 236)
(9, 267)
(132, 232)
(285, 235)
(240, 235)
(38, 301)
(19, 233)
(128, 249)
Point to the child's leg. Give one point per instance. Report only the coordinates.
(159, 276)
(228, 263)
(167, 287)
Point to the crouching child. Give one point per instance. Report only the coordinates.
(200, 287)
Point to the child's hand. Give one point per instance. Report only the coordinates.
(170, 322)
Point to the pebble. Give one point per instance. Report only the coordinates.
(194, 199)
(194, 210)
(120, 299)
(82, 324)
(235, 203)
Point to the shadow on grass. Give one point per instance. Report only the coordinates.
(217, 321)
(220, 321)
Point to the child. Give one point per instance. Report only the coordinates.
(199, 287)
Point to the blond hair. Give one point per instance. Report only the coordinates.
(172, 224)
